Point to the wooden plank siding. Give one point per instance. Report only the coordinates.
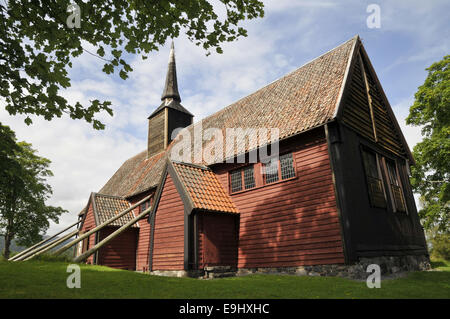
(143, 244)
(88, 224)
(168, 241)
(293, 222)
(386, 132)
(120, 252)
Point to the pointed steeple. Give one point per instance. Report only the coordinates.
(170, 115)
(171, 87)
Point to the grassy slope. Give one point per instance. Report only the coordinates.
(43, 279)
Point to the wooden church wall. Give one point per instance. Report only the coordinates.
(371, 231)
(88, 224)
(121, 251)
(293, 222)
(367, 120)
(168, 240)
(143, 244)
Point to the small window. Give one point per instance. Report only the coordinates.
(287, 166)
(279, 169)
(244, 177)
(236, 181)
(398, 201)
(374, 179)
(271, 172)
(249, 177)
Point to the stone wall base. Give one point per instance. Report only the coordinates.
(219, 272)
(206, 273)
(178, 273)
(389, 265)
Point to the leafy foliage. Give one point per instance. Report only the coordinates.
(441, 246)
(37, 46)
(431, 174)
(23, 192)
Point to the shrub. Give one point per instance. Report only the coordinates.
(441, 246)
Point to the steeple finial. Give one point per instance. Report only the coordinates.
(171, 87)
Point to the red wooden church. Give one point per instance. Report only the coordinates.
(337, 195)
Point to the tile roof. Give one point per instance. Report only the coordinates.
(106, 207)
(203, 188)
(136, 175)
(300, 100)
(303, 99)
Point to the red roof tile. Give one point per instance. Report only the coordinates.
(203, 188)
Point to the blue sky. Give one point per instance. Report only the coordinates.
(413, 35)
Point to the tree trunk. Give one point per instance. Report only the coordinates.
(6, 251)
(8, 238)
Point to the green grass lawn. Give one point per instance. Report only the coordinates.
(47, 279)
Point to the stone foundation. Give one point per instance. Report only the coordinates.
(178, 273)
(389, 265)
(219, 272)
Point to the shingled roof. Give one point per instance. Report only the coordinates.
(203, 188)
(107, 207)
(303, 99)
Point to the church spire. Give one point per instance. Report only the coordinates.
(169, 116)
(171, 87)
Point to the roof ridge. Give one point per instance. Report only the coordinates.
(191, 164)
(110, 196)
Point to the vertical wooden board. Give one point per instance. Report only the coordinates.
(357, 110)
(356, 113)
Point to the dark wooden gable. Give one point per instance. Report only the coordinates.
(366, 109)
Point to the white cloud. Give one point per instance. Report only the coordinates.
(82, 160)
